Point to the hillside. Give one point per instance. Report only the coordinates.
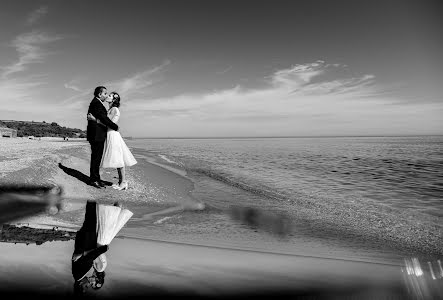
(40, 129)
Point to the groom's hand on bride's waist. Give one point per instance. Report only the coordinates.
(90, 117)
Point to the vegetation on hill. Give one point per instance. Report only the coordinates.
(40, 129)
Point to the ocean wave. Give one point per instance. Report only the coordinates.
(235, 182)
(160, 221)
(164, 157)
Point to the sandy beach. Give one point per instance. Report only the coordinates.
(148, 257)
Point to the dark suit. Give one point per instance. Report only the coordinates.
(86, 240)
(96, 135)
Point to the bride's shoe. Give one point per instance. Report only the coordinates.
(115, 185)
(123, 186)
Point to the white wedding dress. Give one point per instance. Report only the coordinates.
(116, 154)
(110, 220)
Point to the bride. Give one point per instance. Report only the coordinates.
(116, 154)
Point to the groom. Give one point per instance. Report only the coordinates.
(96, 134)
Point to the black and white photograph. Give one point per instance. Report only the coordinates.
(221, 149)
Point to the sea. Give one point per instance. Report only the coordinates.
(379, 195)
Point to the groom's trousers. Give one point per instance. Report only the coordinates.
(97, 148)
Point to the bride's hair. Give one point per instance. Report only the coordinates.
(116, 101)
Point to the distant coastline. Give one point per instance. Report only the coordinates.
(41, 129)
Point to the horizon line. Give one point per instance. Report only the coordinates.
(295, 136)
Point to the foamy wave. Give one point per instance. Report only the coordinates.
(164, 157)
(273, 194)
(162, 220)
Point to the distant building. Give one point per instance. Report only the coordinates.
(8, 132)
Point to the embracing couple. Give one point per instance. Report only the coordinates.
(108, 149)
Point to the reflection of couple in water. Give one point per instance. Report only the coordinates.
(101, 225)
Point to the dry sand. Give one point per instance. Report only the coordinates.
(155, 266)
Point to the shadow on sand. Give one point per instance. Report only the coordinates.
(79, 175)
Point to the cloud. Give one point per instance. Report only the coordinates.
(138, 81)
(70, 85)
(312, 98)
(36, 15)
(304, 99)
(297, 75)
(224, 70)
(19, 90)
(28, 98)
(30, 48)
(20, 94)
(134, 84)
(289, 89)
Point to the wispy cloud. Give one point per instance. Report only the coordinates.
(30, 49)
(28, 98)
(19, 90)
(134, 84)
(138, 81)
(224, 70)
(20, 94)
(19, 97)
(313, 98)
(36, 15)
(297, 75)
(298, 84)
(72, 86)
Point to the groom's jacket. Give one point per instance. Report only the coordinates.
(97, 132)
(82, 265)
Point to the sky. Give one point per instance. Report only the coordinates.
(227, 68)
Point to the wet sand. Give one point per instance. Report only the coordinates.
(140, 263)
(138, 267)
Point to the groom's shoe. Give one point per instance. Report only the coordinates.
(95, 184)
(101, 183)
(105, 183)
